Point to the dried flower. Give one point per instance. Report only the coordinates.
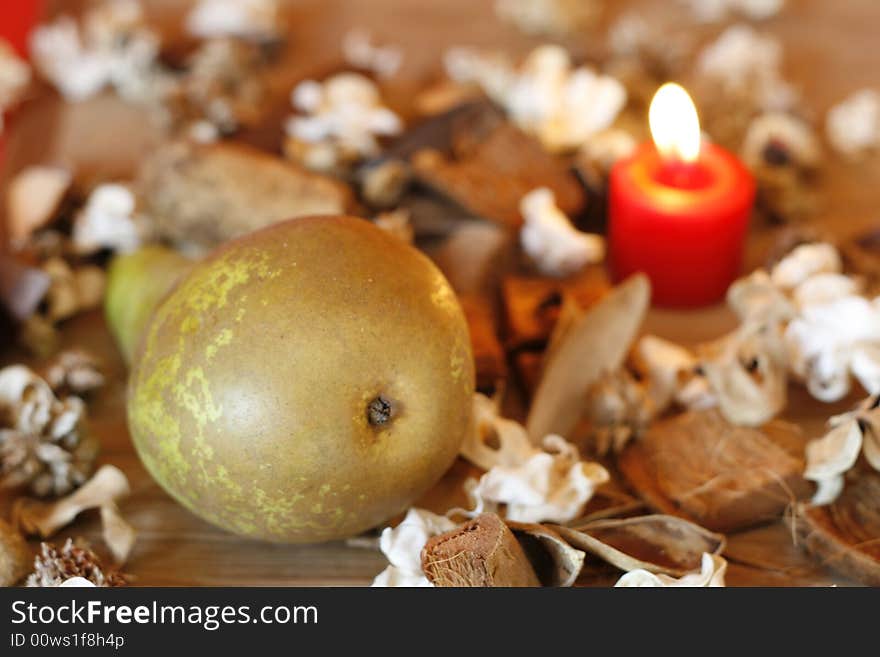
(779, 139)
(619, 409)
(546, 97)
(402, 545)
(43, 443)
(360, 52)
(711, 575)
(340, 122)
(555, 246)
(111, 47)
(250, 19)
(747, 64)
(495, 440)
(550, 17)
(53, 567)
(853, 126)
(830, 457)
(550, 485)
(107, 221)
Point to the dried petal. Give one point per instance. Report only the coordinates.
(46, 518)
(711, 574)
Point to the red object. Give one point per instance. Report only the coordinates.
(684, 225)
(17, 17)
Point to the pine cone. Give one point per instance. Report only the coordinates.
(74, 372)
(43, 443)
(53, 566)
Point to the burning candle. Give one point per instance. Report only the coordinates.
(678, 208)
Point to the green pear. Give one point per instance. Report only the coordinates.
(136, 283)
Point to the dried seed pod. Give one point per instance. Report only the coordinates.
(54, 566)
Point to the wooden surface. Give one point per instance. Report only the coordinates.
(830, 52)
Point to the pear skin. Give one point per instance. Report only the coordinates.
(304, 383)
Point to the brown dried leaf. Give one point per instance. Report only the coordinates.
(656, 543)
(595, 343)
(480, 553)
(555, 561)
(46, 518)
(33, 198)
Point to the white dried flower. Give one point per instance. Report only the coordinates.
(549, 239)
(112, 48)
(712, 11)
(535, 485)
(552, 485)
(106, 221)
(670, 375)
(402, 545)
(803, 262)
(853, 126)
(76, 583)
(340, 120)
(560, 105)
(251, 19)
(360, 51)
(747, 63)
(830, 457)
(712, 571)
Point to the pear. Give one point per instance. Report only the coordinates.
(304, 382)
(136, 283)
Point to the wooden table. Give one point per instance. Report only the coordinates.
(829, 53)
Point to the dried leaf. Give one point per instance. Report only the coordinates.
(597, 342)
(46, 518)
(656, 543)
(480, 553)
(555, 561)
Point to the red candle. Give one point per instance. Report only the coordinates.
(679, 209)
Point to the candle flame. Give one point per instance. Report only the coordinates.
(674, 123)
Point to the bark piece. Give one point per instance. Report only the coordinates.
(532, 305)
(480, 553)
(203, 195)
(723, 476)
(491, 165)
(595, 343)
(472, 255)
(845, 535)
(488, 354)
